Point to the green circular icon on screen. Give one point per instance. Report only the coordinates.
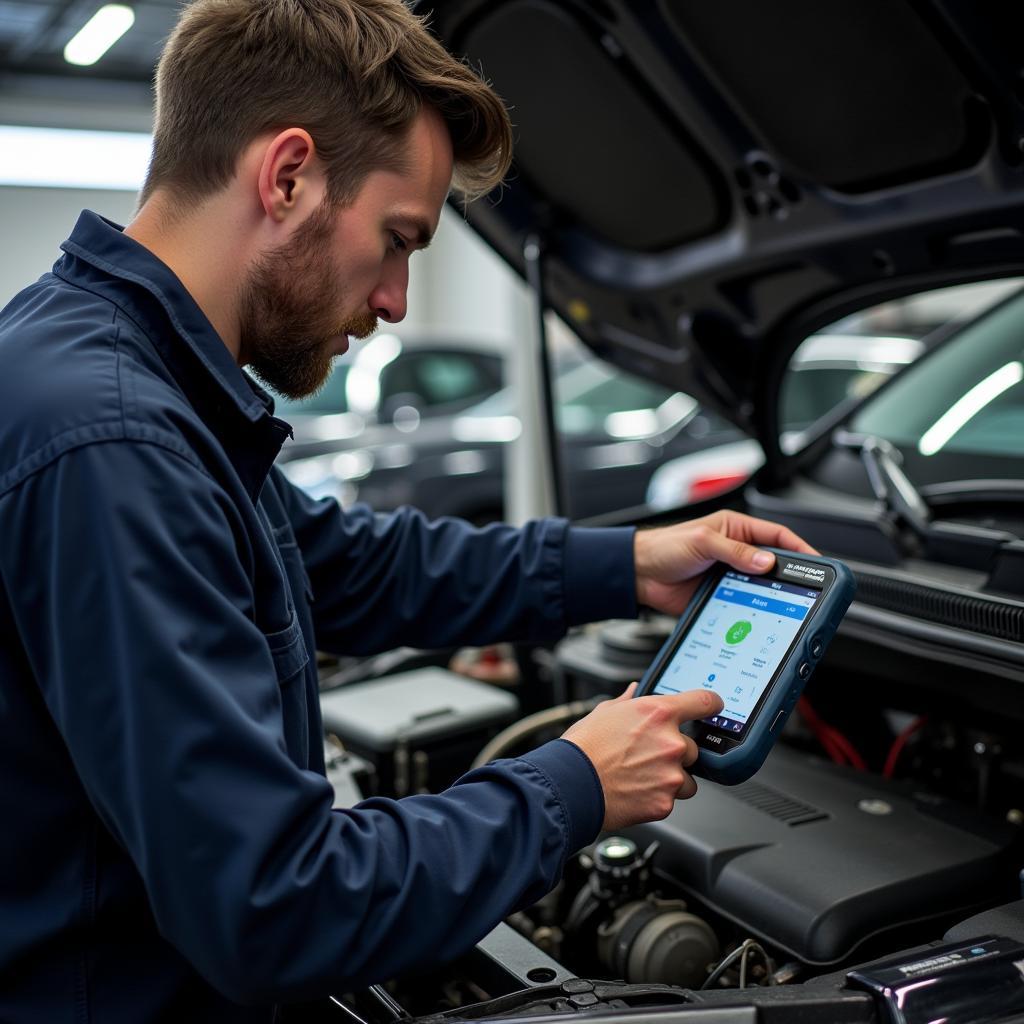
(738, 631)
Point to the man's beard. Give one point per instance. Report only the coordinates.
(287, 309)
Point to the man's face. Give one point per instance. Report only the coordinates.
(344, 268)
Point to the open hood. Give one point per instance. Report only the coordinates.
(710, 182)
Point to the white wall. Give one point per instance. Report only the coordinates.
(457, 286)
(34, 221)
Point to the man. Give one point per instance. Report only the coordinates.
(170, 851)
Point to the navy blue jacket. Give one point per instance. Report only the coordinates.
(169, 849)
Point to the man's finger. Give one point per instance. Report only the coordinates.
(691, 704)
(692, 752)
(627, 693)
(740, 555)
(687, 789)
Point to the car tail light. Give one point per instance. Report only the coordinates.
(704, 487)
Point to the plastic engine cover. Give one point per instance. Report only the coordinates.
(816, 858)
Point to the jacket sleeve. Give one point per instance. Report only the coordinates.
(381, 581)
(136, 607)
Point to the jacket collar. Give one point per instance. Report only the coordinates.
(104, 245)
(104, 260)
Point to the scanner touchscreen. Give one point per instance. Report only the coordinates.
(737, 643)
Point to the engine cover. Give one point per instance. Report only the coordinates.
(816, 858)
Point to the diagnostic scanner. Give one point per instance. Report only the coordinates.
(755, 640)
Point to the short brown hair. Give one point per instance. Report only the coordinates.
(353, 73)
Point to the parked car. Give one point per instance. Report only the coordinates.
(387, 378)
(614, 431)
(708, 185)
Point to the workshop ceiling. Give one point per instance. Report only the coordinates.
(33, 34)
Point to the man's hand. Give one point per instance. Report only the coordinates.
(640, 755)
(669, 559)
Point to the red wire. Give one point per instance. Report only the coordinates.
(848, 748)
(899, 743)
(810, 716)
(831, 748)
(836, 745)
(816, 725)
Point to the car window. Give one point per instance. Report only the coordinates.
(837, 368)
(399, 378)
(452, 377)
(440, 378)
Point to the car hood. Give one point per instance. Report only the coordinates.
(707, 184)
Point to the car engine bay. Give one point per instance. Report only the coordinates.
(885, 826)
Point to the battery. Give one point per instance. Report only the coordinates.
(420, 730)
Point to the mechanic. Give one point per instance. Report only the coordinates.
(171, 849)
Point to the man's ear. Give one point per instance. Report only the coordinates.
(291, 178)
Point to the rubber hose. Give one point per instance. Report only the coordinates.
(525, 727)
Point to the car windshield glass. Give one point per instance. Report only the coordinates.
(832, 369)
(964, 401)
(835, 370)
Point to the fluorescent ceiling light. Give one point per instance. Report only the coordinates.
(99, 34)
(966, 408)
(60, 158)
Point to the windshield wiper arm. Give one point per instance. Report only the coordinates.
(905, 506)
(892, 487)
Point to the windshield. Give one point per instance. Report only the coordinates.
(959, 413)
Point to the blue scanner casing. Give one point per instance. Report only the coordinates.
(725, 756)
